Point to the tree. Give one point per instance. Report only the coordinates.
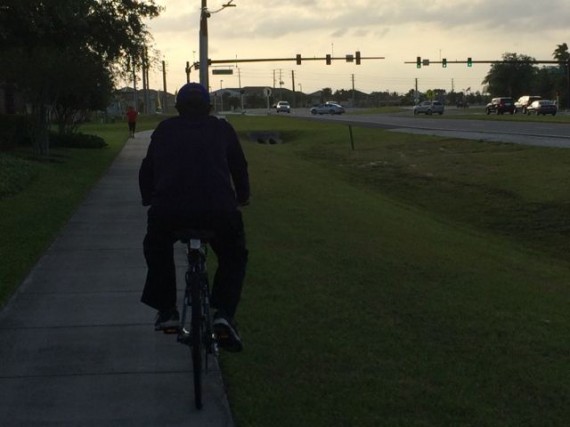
(562, 55)
(512, 77)
(83, 85)
(326, 94)
(40, 38)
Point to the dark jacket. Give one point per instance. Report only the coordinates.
(194, 165)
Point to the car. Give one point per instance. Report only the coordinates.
(283, 107)
(429, 108)
(328, 108)
(542, 106)
(524, 101)
(501, 105)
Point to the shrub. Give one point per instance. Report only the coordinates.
(13, 131)
(15, 174)
(76, 140)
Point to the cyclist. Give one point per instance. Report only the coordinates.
(195, 176)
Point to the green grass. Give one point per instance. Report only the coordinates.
(38, 197)
(381, 293)
(414, 281)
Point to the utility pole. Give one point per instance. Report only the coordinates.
(240, 89)
(274, 80)
(164, 94)
(221, 96)
(135, 100)
(353, 94)
(143, 75)
(568, 76)
(416, 95)
(204, 61)
(204, 15)
(187, 70)
(294, 94)
(146, 80)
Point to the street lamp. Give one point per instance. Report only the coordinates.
(221, 97)
(204, 15)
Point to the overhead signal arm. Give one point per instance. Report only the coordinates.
(297, 58)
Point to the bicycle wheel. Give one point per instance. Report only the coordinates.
(197, 350)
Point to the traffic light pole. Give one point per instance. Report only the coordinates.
(296, 59)
(204, 62)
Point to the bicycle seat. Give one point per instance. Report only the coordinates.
(187, 234)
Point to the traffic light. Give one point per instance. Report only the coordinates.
(444, 63)
(328, 59)
(419, 62)
(469, 62)
(357, 57)
(298, 59)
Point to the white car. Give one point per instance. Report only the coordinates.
(429, 108)
(283, 107)
(328, 108)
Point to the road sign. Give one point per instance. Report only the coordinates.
(222, 71)
(267, 92)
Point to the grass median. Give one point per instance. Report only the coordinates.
(386, 287)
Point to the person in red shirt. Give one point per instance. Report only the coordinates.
(132, 115)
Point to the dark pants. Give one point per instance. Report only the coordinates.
(228, 245)
(132, 127)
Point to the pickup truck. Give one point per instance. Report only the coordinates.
(524, 101)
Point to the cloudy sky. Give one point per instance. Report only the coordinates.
(397, 30)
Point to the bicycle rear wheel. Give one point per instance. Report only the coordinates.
(197, 344)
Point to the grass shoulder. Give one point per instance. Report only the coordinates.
(37, 197)
(390, 287)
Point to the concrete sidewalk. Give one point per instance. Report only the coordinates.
(77, 348)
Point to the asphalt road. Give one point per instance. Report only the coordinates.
(527, 133)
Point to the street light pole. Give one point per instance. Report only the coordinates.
(221, 97)
(204, 15)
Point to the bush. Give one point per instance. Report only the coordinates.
(76, 140)
(15, 174)
(13, 131)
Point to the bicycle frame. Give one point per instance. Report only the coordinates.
(200, 336)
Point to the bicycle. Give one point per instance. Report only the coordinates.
(197, 331)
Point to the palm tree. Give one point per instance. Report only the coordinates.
(561, 53)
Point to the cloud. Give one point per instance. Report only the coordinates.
(261, 19)
(398, 30)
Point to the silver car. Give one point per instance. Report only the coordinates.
(328, 108)
(283, 107)
(429, 108)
